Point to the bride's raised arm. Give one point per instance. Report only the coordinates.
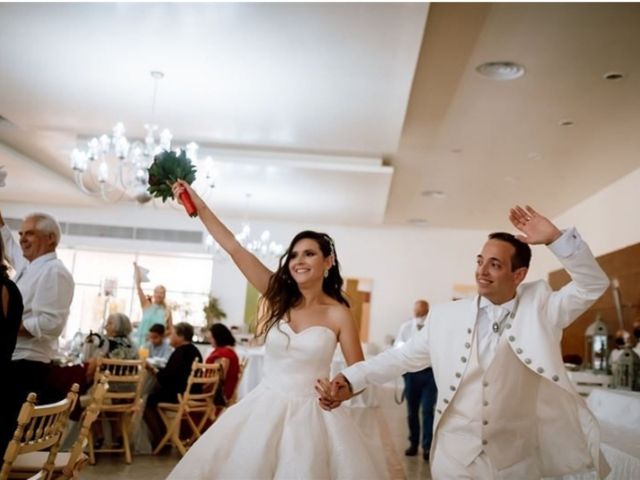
(252, 268)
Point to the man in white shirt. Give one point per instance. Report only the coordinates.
(47, 290)
(419, 387)
(506, 407)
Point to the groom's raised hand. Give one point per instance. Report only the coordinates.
(537, 229)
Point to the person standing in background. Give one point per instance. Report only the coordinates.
(419, 387)
(47, 290)
(154, 310)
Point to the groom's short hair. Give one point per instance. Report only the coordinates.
(522, 254)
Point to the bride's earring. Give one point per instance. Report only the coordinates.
(326, 273)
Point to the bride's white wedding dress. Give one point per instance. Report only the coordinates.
(279, 430)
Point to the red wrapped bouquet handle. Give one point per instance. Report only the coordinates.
(186, 200)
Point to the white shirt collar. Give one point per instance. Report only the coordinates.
(485, 302)
(419, 320)
(44, 258)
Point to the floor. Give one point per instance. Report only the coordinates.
(387, 424)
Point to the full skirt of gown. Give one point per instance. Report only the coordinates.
(279, 430)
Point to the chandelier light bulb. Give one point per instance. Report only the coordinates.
(103, 172)
(118, 130)
(121, 147)
(192, 151)
(105, 143)
(165, 139)
(78, 161)
(94, 148)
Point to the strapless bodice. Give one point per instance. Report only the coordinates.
(293, 361)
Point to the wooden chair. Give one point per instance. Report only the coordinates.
(67, 464)
(205, 377)
(40, 427)
(120, 402)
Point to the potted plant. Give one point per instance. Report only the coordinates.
(212, 311)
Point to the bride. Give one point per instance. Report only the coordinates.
(280, 430)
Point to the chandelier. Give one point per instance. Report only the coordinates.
(113, 168)
(262, 246)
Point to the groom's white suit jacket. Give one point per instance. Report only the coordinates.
(524, 406)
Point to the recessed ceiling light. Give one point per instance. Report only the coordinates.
(501, 70)
(433, 193)
(613, 76)
(418, 221)
(566, 123)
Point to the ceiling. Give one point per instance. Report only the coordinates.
(332, 113)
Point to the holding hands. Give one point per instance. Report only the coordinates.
(332, 394)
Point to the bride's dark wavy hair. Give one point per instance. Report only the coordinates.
(283, 293)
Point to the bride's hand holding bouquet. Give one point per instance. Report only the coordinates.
(168, 168)
(180, 188)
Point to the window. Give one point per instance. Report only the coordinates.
(187, 279)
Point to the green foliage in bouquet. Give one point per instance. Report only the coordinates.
(167, 168)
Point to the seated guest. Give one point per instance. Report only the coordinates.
(116, 343)
(223, 353)
(158, 345)
(172, 379)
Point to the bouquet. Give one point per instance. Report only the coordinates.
(167, 168)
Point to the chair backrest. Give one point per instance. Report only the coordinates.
(40, 427)
(125, 381)
(90, 414)
(202, 382)
(243, 368)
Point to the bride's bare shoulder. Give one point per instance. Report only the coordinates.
(339, 314)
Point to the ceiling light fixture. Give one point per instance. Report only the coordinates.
(613, 76)
(113, 168)
(501, 70)
(261, 246)
(433, 194)
(418, 221)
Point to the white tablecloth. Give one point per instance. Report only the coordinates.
(618, 413)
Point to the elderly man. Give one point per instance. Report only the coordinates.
(47, 290)
(506, 408)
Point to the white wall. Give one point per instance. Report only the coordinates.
(610, 219)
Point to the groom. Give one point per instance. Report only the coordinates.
(506, 408)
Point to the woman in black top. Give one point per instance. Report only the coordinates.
(10, 319)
